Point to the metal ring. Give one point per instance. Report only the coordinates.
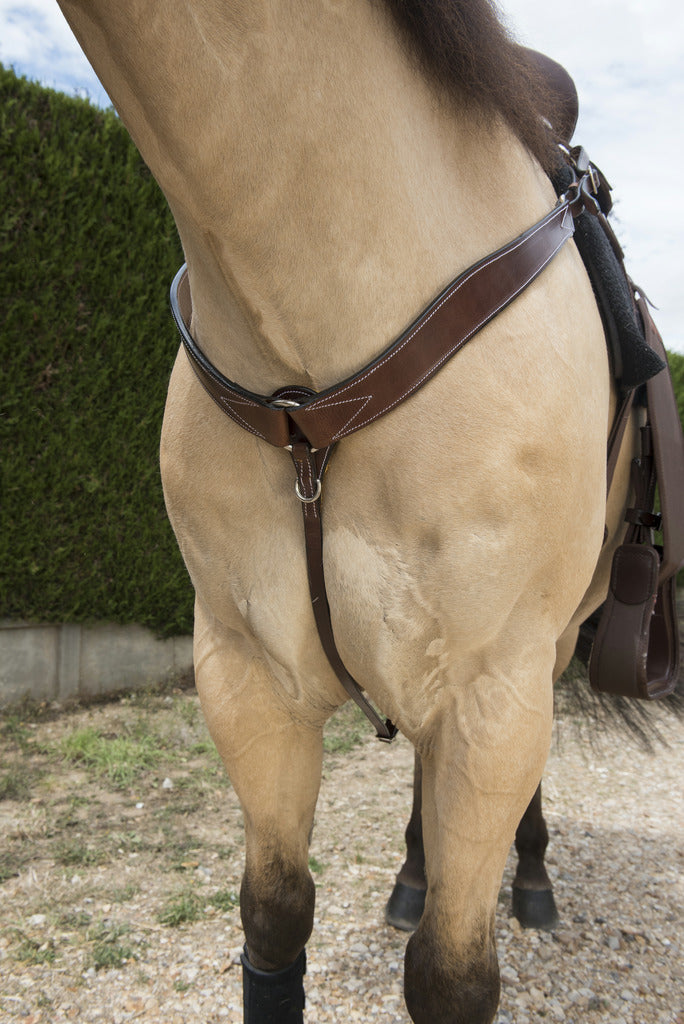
(308, 501)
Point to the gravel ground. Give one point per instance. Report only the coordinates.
(615, 816)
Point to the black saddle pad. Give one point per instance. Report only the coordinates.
(633, 361)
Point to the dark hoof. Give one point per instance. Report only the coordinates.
(535, 908)
(405, 907)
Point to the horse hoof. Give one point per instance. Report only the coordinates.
(405, 907)
(535, 908)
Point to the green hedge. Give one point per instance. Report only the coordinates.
(88, 249)
(676, 361)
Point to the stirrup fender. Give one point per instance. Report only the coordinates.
(636, 651)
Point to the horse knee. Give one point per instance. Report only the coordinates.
(447, 986)
(277, 908)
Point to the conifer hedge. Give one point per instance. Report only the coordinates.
(87, 251)
(676, 361)
(88, 248)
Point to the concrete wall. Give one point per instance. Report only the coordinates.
(58, 662)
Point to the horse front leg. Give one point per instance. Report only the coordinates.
(405, 906)
(533, 902)
(273, 759)
(482, 759)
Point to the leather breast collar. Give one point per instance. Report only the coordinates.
(309, 424)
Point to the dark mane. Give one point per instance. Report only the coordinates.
(467, 51)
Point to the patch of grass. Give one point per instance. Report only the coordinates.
(200, 786)
(65, 819)
(180, 849)
(107, 948)
(74, 853)
(316, 866)
(11, 863)
(189, 710)
(205, 748)
(224, 851)
(74, 920)
(31, 951)
(120, 759)
(124, 894)
(347, 728)
(15, 784)
(180, 985)
(183, 907)
(225, 900)
(75, 800)
(107, 955)
(130, 842)
(15, 729)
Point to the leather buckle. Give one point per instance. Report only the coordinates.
(392, 732)
(594, 179)
(280, 401)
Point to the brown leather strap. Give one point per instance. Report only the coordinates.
(668, 449)
(617, 434)
(310, 467)
(636, 650)
(466, 305)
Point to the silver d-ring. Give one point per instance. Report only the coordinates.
(308, 501)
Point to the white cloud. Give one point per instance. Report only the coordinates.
(626, 59)
(36, 40)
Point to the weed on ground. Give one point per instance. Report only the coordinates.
(119, 812)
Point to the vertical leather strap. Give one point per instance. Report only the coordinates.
(636, 650)
(668, 449)
(310, 467)
(617, 433)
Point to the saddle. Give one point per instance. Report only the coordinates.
(636, 649)
(631, 643)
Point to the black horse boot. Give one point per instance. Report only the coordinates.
(273, 997)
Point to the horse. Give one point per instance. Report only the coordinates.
(331, 165)
(533, 902)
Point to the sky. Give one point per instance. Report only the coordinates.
(627, 59)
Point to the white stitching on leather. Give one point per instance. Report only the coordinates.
(333, 399)
(456, 347)
(363, 399)
(227, 406)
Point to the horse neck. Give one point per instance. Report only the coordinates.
(322, 192)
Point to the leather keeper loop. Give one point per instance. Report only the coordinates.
(641, 517)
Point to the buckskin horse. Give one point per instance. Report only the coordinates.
(331, 166)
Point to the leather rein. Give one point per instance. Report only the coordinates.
(308, 424)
